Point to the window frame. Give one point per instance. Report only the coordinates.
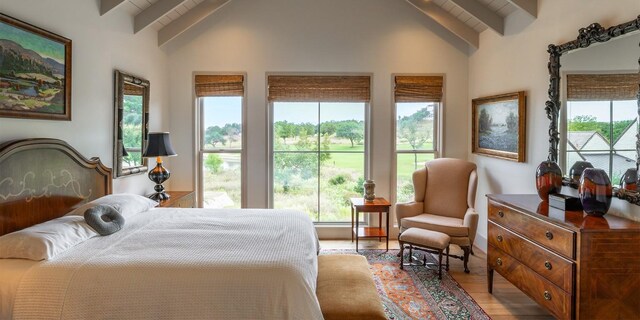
(438, 148)
(270, 135)
(199, 132)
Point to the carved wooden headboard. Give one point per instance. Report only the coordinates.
(43, 179)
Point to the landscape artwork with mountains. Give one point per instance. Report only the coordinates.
(35, 72)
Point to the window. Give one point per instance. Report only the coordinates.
(318, 143)
(220, 113)
(132, 119)
(417, 107)
(601, 122)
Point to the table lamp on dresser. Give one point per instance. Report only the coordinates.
(159, 145)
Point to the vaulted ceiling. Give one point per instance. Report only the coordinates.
(465, 19)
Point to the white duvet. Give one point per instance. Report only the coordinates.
(182, 264)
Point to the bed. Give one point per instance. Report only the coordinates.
(166, 263)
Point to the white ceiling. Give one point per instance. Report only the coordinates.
(466, 19)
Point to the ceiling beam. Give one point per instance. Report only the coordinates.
(108, 5)
(528, 6)
(490, 18)
(448, 21)
(188, 20)
(154, 13)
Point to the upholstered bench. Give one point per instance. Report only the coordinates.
(346, 290)
(425, 240)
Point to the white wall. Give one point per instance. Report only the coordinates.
(99, 45)
(518, 61)
(259, 36)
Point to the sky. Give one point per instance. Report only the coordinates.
(219, 111)
(622, 110)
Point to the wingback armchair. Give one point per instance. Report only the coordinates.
(444, 201)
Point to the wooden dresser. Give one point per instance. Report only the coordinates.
(179, 199)
(574, 265)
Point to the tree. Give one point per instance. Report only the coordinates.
(232, 132)
(484, 121)
(284, 130)
(415, 128)
(512, 123)
(213, 163)
(351, 130)
(214, 135)
(328, 128)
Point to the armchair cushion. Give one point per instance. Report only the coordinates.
(453, 227)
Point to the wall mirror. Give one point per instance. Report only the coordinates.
(131, 124)
(594, 100)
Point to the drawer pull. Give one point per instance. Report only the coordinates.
(549, 235)
(499, 238)
(547, 295)
(548, 265)
(499, 261)
(501, 214)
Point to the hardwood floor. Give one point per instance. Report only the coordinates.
(506, 302)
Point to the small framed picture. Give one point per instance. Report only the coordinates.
(498, 126)
(35, 72)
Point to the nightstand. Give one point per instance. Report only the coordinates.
(179, 199)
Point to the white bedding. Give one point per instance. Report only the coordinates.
(182, 264)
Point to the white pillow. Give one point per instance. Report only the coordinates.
(44, 241)
(127, 204)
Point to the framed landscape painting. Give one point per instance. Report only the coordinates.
(35, 72)
(498, 124)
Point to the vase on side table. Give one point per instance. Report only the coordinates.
(369, 190)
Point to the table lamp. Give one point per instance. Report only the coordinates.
(159, 146)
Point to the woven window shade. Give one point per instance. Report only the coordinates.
(133, 90)
(219, 85)
(319, 88)
(599, 87)
(418, 88)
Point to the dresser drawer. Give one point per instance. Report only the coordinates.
(535, 286)
(557, 239)
(553, 267)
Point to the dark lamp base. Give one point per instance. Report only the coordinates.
(159, 196)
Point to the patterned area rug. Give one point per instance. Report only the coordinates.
(416, 292)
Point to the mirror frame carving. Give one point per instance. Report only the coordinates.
(120, 79)
(594, 33)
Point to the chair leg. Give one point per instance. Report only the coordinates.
(471, 250)
(466, 258)
(400, 253)
(401, 256)
(447, 265)
(440, 264)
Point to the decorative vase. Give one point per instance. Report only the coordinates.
(369, 190)
(595, 191)
(629, 180)
(576, 171)
(548, 179)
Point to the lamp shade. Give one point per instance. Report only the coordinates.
(159, 145)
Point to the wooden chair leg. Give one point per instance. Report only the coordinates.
(447, 265)
(466, 258)
(401, 256)
(440, 264)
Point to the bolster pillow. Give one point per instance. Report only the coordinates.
(104, 219)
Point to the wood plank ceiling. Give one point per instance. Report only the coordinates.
(465, 19)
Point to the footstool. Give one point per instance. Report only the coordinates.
(425, 240)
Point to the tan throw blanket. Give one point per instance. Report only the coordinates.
(183, 264)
